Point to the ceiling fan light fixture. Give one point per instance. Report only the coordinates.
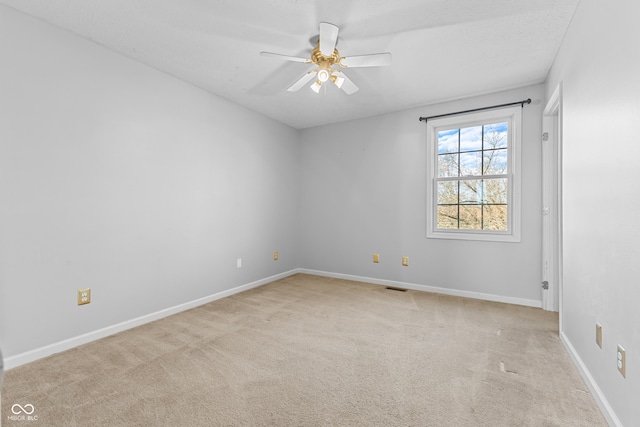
(323, 75)
(316, 86)
(338, 80)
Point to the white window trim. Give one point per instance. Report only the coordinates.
(514, 116)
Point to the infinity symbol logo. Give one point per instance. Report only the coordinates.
(27, 409)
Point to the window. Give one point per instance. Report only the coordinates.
(473, 171)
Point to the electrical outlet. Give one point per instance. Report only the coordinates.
(405, 261)
(239, 263)
(376, 258)
(599, 334)
(275, 256)
(622, 361)
(84, 296)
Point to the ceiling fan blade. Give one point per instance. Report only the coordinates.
(328, 38)
(371, 60)
(302, 81)
(345, 84)
(285, 57)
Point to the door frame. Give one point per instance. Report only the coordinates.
(552, 203)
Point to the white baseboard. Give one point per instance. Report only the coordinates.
(39, 353)
(425, 288)
(598, 395)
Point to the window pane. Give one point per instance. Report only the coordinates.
(471, 192)
(448, 193)
(495, 136)
(448, 141)
(447, 217)
(471, 217)
(495, 217)
(447, 165)
(471, 138)
(496, 191)
(495, 162)
(471, 164)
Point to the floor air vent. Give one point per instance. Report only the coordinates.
(391, 288)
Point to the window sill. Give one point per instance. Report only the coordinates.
(474, 236)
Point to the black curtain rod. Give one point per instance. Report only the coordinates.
(526, 101)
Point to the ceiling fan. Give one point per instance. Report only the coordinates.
(326, 57)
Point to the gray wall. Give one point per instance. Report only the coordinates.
(363, 192)
(120, 178)
(599, 68)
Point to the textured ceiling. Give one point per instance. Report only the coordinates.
(442, 49)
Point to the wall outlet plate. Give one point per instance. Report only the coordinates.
(599, 334)
(84, 296)
(622, 361)
(405, 261)
(275, 256)
(376, 258)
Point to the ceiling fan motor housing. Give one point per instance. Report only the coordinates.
(318, 58)
(324, 71)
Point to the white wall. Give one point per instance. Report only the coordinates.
(123, 179)
(364, 192)
(599, 67)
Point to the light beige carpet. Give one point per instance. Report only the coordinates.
(314, 351)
